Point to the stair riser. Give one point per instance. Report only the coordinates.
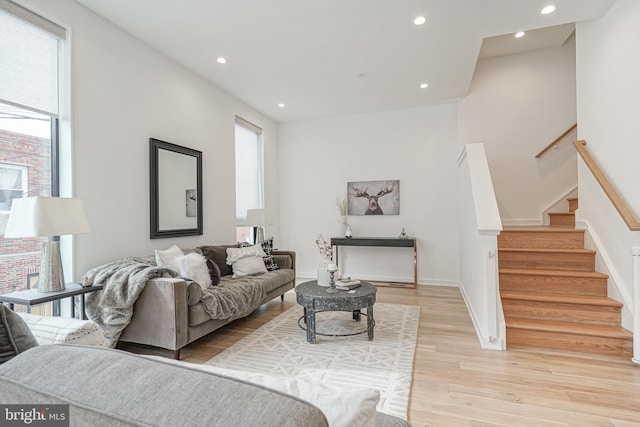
(547, 261)
(562, 220)
(573, 205)
(569, 342)
(579, 313)
(553, 284)
(556, 240)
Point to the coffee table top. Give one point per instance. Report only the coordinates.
(310, 295)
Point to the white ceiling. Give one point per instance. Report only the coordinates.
(309, 54)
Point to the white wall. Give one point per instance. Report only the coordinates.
(417, 146)
(123, 93)
(608, 109)
(517, 104)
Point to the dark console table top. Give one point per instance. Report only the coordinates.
(374, 241)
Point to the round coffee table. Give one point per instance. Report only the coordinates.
(315, 299)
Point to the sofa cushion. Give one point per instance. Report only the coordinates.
(194, 293)
(168, 257)
(218, 254)
(269, 260)
(113, 388)
(15, 336)
(194, 266)
(248, 266)
(214, 272)
(59, 330)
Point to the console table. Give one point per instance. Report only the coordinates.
(32, 297)
(388, 242)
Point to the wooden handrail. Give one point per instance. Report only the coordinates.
(556, 141)
(625, 212)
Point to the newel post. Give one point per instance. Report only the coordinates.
(635, 252)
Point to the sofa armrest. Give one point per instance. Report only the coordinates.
(285, 259)
(160, 315)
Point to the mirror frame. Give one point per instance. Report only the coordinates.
(155, 145)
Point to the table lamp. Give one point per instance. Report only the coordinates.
(258, 218)
(47, 217)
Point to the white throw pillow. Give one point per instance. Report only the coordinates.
(168, 258)
(63, 330)
(343, 407)
(248, 266)
(194, 266)
(234, 254)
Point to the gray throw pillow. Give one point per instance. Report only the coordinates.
(15, 335)
(218, 254)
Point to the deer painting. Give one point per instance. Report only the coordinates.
(361, 190)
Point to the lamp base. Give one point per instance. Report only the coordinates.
(51, 275)
(258, 235)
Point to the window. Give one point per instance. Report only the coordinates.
(249, 186)
(13, 184)
(31, 47)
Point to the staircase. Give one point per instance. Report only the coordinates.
(552, 296)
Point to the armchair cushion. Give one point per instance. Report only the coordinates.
(15, 336)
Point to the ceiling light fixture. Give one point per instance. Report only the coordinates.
(519, 34)
(281, 105)
(548, 9)
(424, 85)
(420, 20)
(221, 60)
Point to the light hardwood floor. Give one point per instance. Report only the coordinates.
(456, 383)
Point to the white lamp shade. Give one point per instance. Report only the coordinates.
(258, 218)
(46, 216)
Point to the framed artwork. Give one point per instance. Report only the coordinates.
(175, 190)
(192, 203)
(373, 197)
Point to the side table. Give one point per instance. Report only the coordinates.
(32, 297)
(314, 299)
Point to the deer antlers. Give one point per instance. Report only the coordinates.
(385, 190)
(360, 193)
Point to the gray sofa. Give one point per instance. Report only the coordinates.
(112, 388)
(168, 313)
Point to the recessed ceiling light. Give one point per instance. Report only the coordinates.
(281, 105)
(424, 85)
(221, 60)
(362, 75)
(548, 9)
(420, 20)
(519, 34)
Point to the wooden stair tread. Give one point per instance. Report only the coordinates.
(562, 213)
(550, 250)
(571, 198)
(561, 298)
(569, 327)
(543, 272)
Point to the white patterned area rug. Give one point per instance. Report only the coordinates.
(386, 363)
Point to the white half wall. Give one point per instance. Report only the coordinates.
(416, 146)
(517, 105)
(123, 93)
(608, 109)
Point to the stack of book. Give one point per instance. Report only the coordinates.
(347, 285)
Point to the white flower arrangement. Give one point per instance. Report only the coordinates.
(326, 250)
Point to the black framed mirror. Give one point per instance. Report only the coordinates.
(175, 190)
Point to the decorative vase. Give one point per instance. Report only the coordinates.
(343, 225)
(323, 272)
